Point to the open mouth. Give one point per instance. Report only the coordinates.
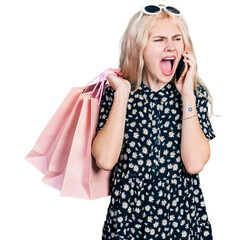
(167, 64)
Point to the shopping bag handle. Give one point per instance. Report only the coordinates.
(101, 80)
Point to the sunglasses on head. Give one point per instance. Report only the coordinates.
(155, 9)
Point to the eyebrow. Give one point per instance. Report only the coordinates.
(160, 36)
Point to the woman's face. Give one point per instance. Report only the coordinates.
(163, 52)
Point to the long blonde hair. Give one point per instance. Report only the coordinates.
(134, 41)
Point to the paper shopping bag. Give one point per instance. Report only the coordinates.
(63, 150)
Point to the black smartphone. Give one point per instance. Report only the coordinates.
(181, 69)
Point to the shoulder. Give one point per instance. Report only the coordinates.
(109, 91)
(108, 95)
(201, 92)
(201, 98)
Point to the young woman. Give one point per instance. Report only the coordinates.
(153, 133)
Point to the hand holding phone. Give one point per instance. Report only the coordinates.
(181, 70)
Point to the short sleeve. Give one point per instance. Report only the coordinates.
(105, 107)
(202, 112)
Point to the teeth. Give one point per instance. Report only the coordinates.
(171, 58)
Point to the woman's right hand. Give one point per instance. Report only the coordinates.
(117, 82)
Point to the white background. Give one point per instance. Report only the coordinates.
(47, 47)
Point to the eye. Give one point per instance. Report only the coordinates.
(178, 39)
(158, 40)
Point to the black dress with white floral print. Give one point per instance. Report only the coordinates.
(152, 194)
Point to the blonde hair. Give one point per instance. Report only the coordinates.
(134, 41)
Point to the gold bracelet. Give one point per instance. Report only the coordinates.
(189, 117)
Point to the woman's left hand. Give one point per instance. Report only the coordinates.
(186, 85)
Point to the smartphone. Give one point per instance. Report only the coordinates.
(182, 68)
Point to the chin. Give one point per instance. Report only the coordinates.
(167, 79)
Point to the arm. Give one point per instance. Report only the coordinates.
(195, 149)
(107, 144)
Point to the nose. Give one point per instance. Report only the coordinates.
(169, 46)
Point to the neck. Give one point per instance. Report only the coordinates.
(152, 83)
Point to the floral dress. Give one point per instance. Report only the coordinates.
(152, 194)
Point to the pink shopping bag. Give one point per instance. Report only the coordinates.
(63, 150)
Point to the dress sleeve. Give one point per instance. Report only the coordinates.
(105, 107)
(202, 111)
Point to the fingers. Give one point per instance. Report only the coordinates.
(117, 71)
(113, 77)
(188, 55)
(188, 58)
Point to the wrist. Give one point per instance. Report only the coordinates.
(189, 105)
(188, 97)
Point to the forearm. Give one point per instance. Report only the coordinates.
(195, 150)
(108, 142)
